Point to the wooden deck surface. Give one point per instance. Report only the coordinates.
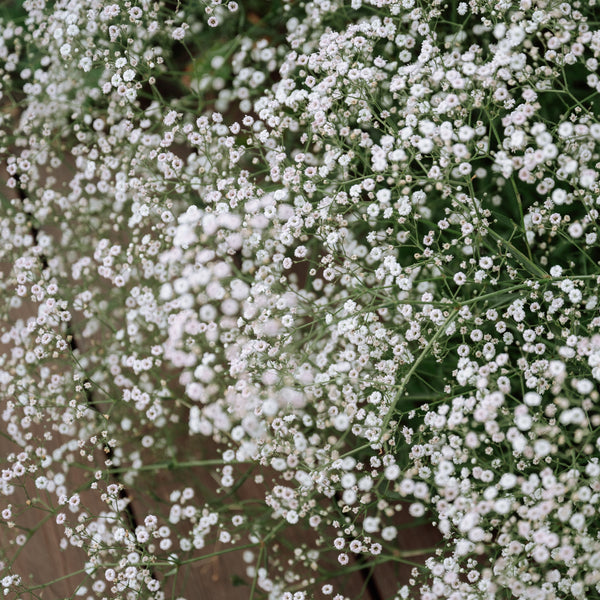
(222, 577)
(53, 573)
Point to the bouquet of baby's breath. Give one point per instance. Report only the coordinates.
(288, 286)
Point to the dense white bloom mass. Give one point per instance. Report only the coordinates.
(353, 260)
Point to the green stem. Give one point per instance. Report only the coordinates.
(62, 578)
(416, 364)
(255, 578)
(525, 262)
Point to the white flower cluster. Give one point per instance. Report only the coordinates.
(351, 265)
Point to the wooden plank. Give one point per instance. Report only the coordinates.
(408, 553)
(31, 560)
(225, 576)
(48, 566)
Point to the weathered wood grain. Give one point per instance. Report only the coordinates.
(40, 561)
